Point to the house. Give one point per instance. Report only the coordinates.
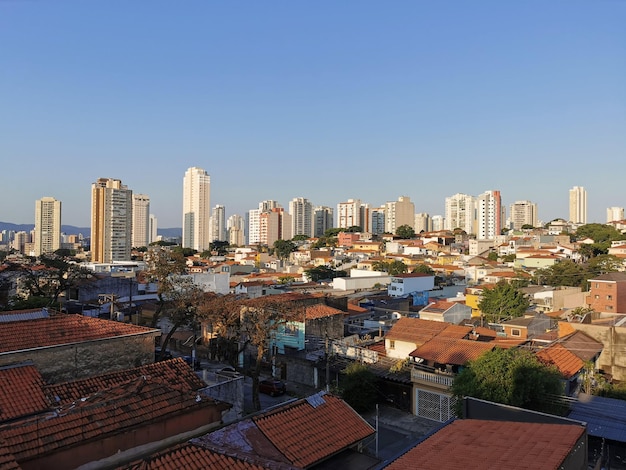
(494, 445)
(527, 327)
(404, 284)
(407, 334)
(607, 293)
(71, 424)
(445, 311)
(67, 347)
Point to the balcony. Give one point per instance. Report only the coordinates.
(438, 379)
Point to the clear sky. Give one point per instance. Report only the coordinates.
(326, 100)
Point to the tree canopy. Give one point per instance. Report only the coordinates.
(318, 273)
(405, 232)
(283, 248)
(391, 267)
(512, 377)
(502, 301)
(358, 387)
(423, 269)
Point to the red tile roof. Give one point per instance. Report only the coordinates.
(510, 445)
(106, 413)
(62, 329)
(307, 434)
(175, 371)
(321, 311)
(451, 350)
(21, 392)
(455, 331)
(415, 330)
(558, 355)
(7, 461)
(191, 457)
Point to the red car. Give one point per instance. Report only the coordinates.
(272, 387)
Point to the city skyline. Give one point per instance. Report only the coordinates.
(327, 102)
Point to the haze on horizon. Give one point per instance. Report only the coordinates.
(325, 100)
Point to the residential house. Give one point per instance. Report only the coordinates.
(445, 311)
(407, 334)
(569, 365)
(527, 327)
(607, 293)
(404, 284)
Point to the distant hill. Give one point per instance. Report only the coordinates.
(86, 231)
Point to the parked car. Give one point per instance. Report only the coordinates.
(272, 387)
(197, 365)
(228, 372)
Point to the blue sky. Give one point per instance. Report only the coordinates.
(327, 100)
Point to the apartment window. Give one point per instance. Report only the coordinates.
(609, 308)
(609, 297)
(516, 332)
(597, 285)
(596, 296)
(392, 344)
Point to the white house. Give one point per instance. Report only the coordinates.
(404, 284)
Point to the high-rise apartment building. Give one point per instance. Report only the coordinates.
(439, 223)
(423, 223)
(523, 213)
(218, 224)
(460, 213)
(196, 209)
(236, 226)
(399, 213)
(490, 215)
(614, 214)
(377, 216)
(47, 237)
(349, 214)
(111, 221)
(141, 220)
(254, 228)
(322, 220)
(301, 211)
(153, 229)
(578, 205)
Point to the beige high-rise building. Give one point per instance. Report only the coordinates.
(398, 213)
(301, 211)
(111, 221)
(423, 223)
(349, 214)
(578, 205)
(47, 233)
(490, 215)
(614, 214)
(196, 209)
(141, 220)
(236, 230)
(523, 213)
(460, 213)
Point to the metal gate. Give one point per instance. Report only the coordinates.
(435, 406)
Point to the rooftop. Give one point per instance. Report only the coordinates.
(452, 350)
(415, 330)
(559, 356)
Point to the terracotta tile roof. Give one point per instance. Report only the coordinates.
(61, 329)
(415, 330)
(21, 392)
(7, 461)
(451, 350)
(307, 434)
(174, 371)
(557, 355)
(455, 331)
(438, 306)
(191, 457)
(321, 311)
(356, 309)
(512, 446)
(106, 413)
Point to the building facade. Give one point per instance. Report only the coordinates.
(47, 237)
(614, 214)
(490, 215)
(236, 226)
(399, 213)
(322, 220)
(578, 205)
(349, 214)
(423, 223)
(460, 213)
(141, 220)
(301, 211)
(523, 213)
(196, 209)
(111, 221)
(218, 224)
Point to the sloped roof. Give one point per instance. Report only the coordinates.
(557, 355)
(415, 330)
(321, 311)
(511, 445)
(191, 457)
(452, 350)
(611, 277)
(20, 392)
(174, 371)
(605, 417)
(438, 306)
(62, 329)
(7, 461)
(106, 413)
(455, 331)
(582, 345)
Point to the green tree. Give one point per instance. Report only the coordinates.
(300, 238)
(318, 273)
(184, 251)
(283, 248)
(512, 377)
(599, 233)
(405, 232)
(563, 273)
(492, 256)
(333, 232)
(393, 268)
(602, 264)
(502, 301)
(358, 387)
(354, 229)
(527, 227)
(423, 269)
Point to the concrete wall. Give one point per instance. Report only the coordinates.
(77, 361)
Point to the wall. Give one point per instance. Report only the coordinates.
(76, 361)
